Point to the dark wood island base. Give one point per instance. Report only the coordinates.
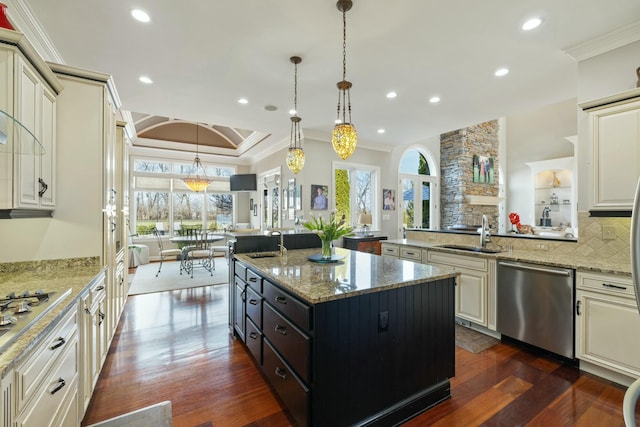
(341, 352)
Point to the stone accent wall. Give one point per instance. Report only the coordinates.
(457, 149)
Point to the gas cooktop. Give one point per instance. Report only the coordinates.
(19, 311)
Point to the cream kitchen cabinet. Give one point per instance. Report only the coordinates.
(615, 138)
(28, 158)
(411, 253)
(46, 380)
(475, 287)
(93, 333)
(607, 321)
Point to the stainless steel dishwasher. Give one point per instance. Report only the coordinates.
(535, 305)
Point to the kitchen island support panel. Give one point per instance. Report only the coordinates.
(369, 374)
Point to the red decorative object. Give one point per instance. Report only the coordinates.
(514, 218)
(4, 22)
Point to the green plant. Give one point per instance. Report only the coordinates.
(328, 230)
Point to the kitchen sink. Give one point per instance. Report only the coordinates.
(471, 248)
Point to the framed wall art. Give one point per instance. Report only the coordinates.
(483, 169)
(319, 197)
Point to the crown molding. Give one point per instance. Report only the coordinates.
(604, 43)
(26, 22)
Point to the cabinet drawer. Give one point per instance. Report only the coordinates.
(390, 250)
(472, 262)
(609, 284)
(240, 270)
(254, 307)
(411, 253)
(255, 281)
(31, 373)
(96, 292)
(254, 341)
(292, 343)
(293, 393)
(53, 392)
(289, 306)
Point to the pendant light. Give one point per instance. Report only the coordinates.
(197, 183)
(344, 137)
(295, 155)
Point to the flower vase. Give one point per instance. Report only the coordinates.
(326, 249)
(4, 22)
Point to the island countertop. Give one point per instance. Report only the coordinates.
(355, 274)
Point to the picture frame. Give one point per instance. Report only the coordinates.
(255, 209)
(291, 191)
(298, 198)
(250, 205)
(388, 199)
(319, 197)
(285, 199)
(483, 171)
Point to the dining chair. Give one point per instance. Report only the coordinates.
(199, 254)
(166, 253)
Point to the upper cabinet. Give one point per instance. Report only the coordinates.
(615, 136)
(28, 130)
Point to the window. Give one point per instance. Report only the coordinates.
(419, 192)
(163, 201)
(356, 191)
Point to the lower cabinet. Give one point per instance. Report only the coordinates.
(607, 321)
(473, 300)
(46, 382)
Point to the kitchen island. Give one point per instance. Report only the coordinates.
(367, 340)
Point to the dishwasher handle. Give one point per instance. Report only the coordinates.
(565, 273)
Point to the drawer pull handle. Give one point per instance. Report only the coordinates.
(61, 384)
(253, 335)
(243, 296)
(281, 329)
(281, 373)
(609, 285)
(101, 316)
(253, 301)
(59, 344)
(253, 279)
(281, 300)
(100, 288)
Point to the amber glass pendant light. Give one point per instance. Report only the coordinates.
(344, 137)
(295, 154)
(197, 182)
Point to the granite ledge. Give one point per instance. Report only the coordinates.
(356, 274)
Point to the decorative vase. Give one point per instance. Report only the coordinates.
(4, 22)
(326, 249)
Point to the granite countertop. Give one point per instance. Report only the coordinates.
(537, 257)
(357, 273)
(60, 280)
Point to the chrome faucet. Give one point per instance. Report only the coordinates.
(283, 250)
(485, 234)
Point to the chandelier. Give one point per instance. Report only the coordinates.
(344, 137)
(295, 154)
(197, 183)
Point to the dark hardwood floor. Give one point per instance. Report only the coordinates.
(176, 346)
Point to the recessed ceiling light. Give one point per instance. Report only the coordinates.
(243, 101)
(434, 99)
(270, 107)
(501, 72)
(391, 95)
(531, 24)
(145, 80)
(380, 130)
(140, 15)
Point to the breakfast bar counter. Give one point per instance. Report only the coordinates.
(365, 340)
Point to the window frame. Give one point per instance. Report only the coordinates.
(375, 191)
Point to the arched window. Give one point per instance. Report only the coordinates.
(419, 191)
